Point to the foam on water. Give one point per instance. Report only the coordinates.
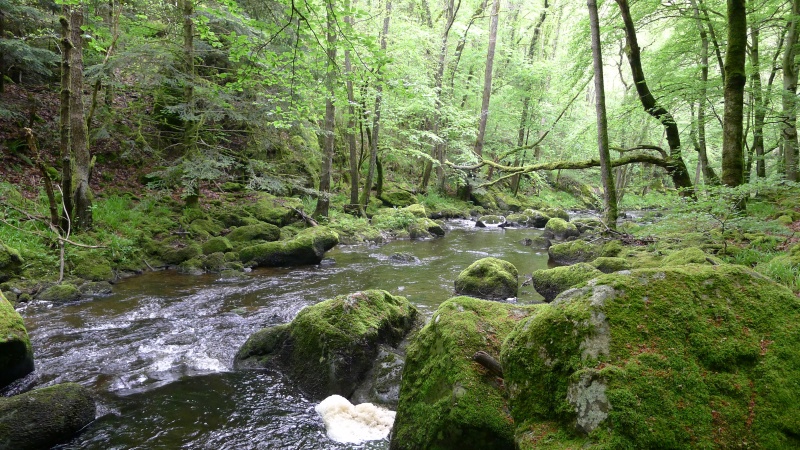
(354, 424)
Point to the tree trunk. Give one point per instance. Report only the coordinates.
(735, 80)
(2, 57)
(324, 202)
(709, 176)
(607, 178)
(675, 165)
(79, 142)
(759, 104)
(789, 100)
(713, 35)
(487, 79)
(351, 120)
(376, 119)
(64, 127)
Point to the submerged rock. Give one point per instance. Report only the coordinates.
(447, 400)
(551, 282)
(329, 347)
(308, 247)
(488, 278)
(691, 356)
(16, 354)
(44, 417)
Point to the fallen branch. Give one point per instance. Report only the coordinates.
(488, 362)
(306, 217)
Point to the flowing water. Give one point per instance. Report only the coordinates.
(158, 352)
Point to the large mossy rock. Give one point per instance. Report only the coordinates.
(551, 282)
(60, 293)
(217, 245)
(44, 417)
(275, 210)
(536, 218)
(581, 251)
(92, 267)
(561, 229)
(16, 354)
(261, 231)
(307, 247)
(424, 228)
(329, 347)
(691, 255)
(682, 357)
(398, 198)
(10, 262)
(448, 401)
(488, 278)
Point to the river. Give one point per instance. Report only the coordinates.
(158, 352)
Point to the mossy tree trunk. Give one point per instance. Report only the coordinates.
(789, 97)
(759, 112)
(323, 203)
(735, 80)
(606, 176)
(709, 176)
(79, 140)
(676, 167)
(64, 123)
(351, 119)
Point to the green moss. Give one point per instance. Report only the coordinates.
(393, 219)
(277, 211)
(551, 282)
(204, 228)
(10, 262)
(417, 210)
(536, 218)
(398, 198)
(308, 247)
(217, 244)
(424, 228)
(691, 255)
(260, 231)
(560, 228)
(63, 292)
(485, 199)
(92, 267)
(785, 219)
(520, 220)
(488, 278)
(691, 356)
(448, 401)
(329, 347)
(556, 212)
(192, 266)
(507, 202)
(573, 252)
(611, 264)
(16, 354)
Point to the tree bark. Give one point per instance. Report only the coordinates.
(64, 124)
(735, 80)
(709, 176)
(607, 178)
(79, 142)
(759, 112)
(487, 78)
(789, 100)
(676, 167)
(714, 39)
(324, 201)
(351, 120)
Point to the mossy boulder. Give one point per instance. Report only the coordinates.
(588, 224)
(204, 228)
(553, 211)
(174, 252)
(92, 267)
(447, 400)
(424, 228)
(488, 278)
(507, 202)
(261, 231)
(691, 255)
(277, 211)
(307, 247)
(681, 357)
(58, 293)
(536, 218)
(490, 221)
(16, 354)
(217, 244)
(484, 199)
(398, 198)
(608, 264)
(417, 210)
(517, 220)
(551, 282)
(10, 262)
(393, 219)
(561, 229)
(581, 251)
(44, 417)
(329, 347)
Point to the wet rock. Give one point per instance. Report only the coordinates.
(424, 228)
(16, 354)
(692, 356)
(95, 288)
(60, 293)
(536, 218)
(448, 401)
(488, 278)
(382, 383)
(517, 220)
(556, 212)
(561, 229)
(551, 282)
(308, 247)
(404, 258)
(329, 347)
(10, 262)
(44, 417)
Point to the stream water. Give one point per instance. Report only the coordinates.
(158, 352)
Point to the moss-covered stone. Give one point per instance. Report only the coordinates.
(506, 202)
(561, 229)
(329, 347)
(258, 232)
(58, 293)
(588, 224)
(92, 267)
(308, 247)
(517, 220)
(277, 211)
(424, 228)
(217, 244)
(10, 262)
(176, 252)
(398, 198)
(581, 251)
(393, 219)
(691, 255)
(485, 199)
(417, 210)
(607, 264)
(490, 221)
(551, 282)
(680, 357)
(488, 278)
(448, 401)
(785, 219)
(44, 417)
(192, 266)
(16, 354)
(536, 218)
(553, 211)
(204, 228)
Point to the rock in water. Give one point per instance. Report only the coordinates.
(16, 354)
(354, 424)
(488, 278)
